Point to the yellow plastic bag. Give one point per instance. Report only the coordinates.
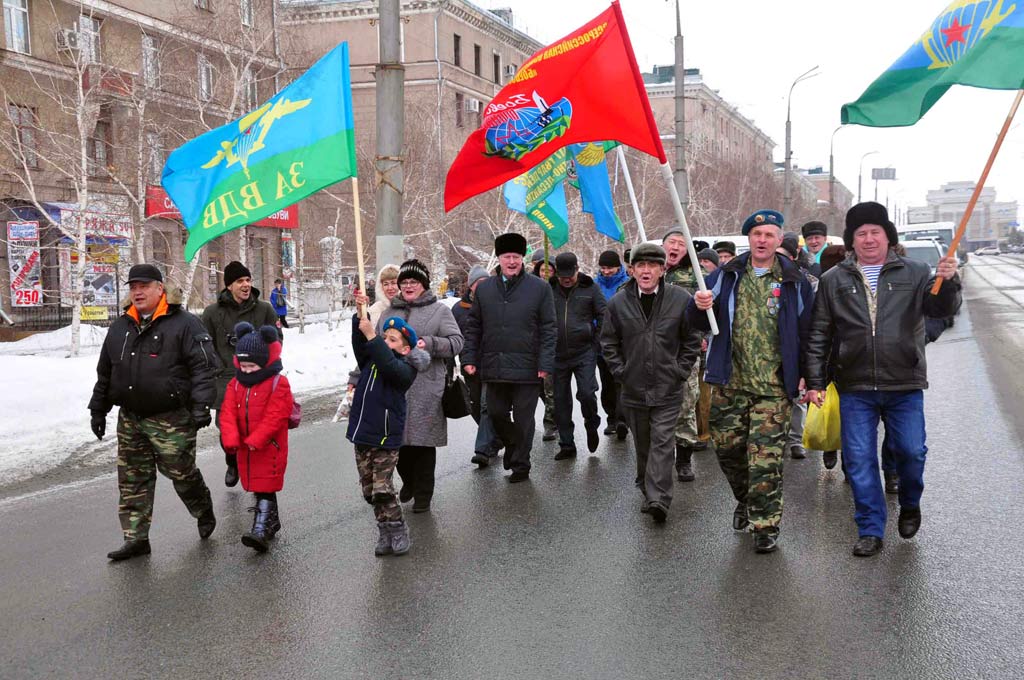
(822, 427)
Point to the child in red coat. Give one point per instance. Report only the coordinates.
(254, 425)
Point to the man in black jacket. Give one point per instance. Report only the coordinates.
(157, 363)
(650, 350)
(873, 306)
(239, 301)
(510, 341)
(579, 311)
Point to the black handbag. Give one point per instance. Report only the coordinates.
(455, 401)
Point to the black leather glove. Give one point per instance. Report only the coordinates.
(201, 416)
(99, 424)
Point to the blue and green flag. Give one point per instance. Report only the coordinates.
(539, 193)
(299, 142)
(973, 42)
(590, 167)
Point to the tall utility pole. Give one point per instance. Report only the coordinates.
(787, 194)
(682, 181)
(390, 77)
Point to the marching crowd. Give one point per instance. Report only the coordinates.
(790, 322)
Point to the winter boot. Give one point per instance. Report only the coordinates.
(130, 549)
(206, 523)
(274, 521)
(383, 540)
(892, 481)
(257, 538)
(399, 537)
(684, 466)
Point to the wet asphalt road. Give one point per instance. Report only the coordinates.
(560, 577)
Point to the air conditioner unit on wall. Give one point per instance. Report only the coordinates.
(473, 105)
(510, 71)
(67, 39)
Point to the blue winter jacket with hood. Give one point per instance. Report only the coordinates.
(610, 285)
(377, 417)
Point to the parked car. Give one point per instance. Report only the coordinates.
(930, 252)
(988, 250)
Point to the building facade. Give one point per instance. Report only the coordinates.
(990, 223)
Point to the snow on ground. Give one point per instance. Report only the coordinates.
(45, 395)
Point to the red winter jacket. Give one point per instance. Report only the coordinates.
(254, 422)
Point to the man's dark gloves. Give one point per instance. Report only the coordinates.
(201, 416)
(99, 424)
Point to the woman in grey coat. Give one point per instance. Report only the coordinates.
(426, 427)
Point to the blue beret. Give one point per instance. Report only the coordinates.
(398, 323)
(763, 217)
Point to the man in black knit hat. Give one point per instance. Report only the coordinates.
(510, 344)
(239, 301)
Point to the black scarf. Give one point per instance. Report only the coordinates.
(256, 377)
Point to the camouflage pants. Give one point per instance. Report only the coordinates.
(749, 432)
(164, 442)
(548, 393)
(376, 477)
(686, 426)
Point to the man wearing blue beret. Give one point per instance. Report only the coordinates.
(762, 303)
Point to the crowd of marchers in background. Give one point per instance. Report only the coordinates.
(634, 336)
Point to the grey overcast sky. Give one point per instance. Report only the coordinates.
(752, 50)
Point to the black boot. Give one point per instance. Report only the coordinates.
(130, 549)
(274, 522)
(231, 475)
(206, 523)
(684, 466)
(258, 538)
(892, 481)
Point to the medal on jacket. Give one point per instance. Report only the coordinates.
(775, 299)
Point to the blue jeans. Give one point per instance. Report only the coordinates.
(903, 413)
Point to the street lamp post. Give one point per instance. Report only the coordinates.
(860, 174)
(787, 196)
(681, 179)
(832, 169)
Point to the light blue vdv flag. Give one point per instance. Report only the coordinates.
(595, 188)
(298, 142)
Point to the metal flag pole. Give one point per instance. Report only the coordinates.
(632, 193)
(666, 173)
(980, 185)
(361, 268)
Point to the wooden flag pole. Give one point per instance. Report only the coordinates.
(361, 267)
(632, 194)
(547, 245)
(979, 186)
(666, 172)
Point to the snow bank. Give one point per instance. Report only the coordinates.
(45, 395)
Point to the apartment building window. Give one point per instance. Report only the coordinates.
(25, 125)
(202, 4)
(98, 148)
(497, 69)
(89, 39)
(476, 59)
(205, 79)
(248, 19)
(249, 90)
(460, 107)
(16, 25)
(155, 150)
(456, 46)
(150, 62)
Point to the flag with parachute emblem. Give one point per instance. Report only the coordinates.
(973, 42)
(585, 87)
(299, 142)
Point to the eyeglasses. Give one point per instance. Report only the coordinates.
(409, 283)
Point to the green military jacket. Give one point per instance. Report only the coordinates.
(756, 351)
(682, 275)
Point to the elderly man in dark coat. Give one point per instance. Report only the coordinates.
(510, 341)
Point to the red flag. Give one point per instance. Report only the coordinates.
(585, 87)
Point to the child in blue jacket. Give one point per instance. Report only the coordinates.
(388, 364)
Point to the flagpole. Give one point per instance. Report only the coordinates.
(360, 267)
(980, 185)
(546, 245)
(632, 193)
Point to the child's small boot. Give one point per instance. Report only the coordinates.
(383, 540)
(274, 521)
(257, 538)
(399, 537)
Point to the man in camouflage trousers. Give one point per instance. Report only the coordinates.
(680, 273)
(376, 468)
(158, 364)
(762, 303)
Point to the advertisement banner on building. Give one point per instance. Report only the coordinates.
(99, 287)
(97, 225)
(23, 259)
(159, 204)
